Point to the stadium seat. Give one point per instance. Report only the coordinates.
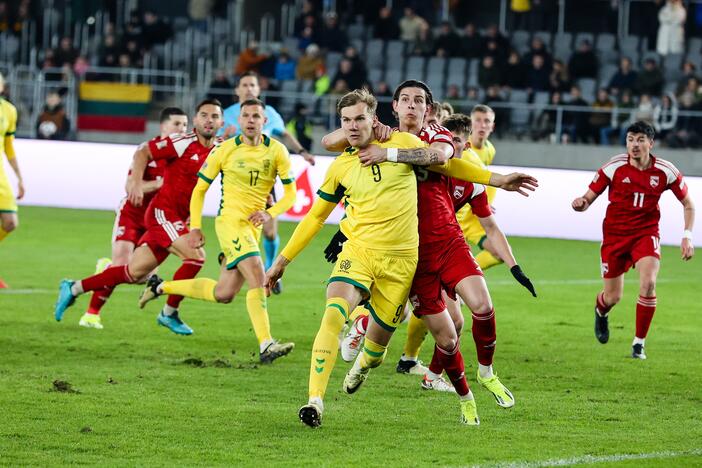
(287, 102)
(473, 72)
(582, 36)
(629, 47)
(695, 58)
(562, 46)
(355, 31)
(605, 47)
(415, 68)
(541, 100)
(307, 86)
(358, 44)
(333, 59)
(436, 64)
(694, 46)
(394, 61)
(435, 81)
(606, 73)
(375, 76)
(520, 41)
(393, 78)
(520, 113)
(545, 36)
(292, 45)
(456, 66)
(651, 55)
(374, 53)
(672, 64)
(588, 88)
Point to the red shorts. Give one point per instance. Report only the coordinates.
(619, 253)
(163, 227)
(129, 223)
(441, 266)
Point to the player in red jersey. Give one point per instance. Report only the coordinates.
(166, 216)
(636, 181)
(129, 222)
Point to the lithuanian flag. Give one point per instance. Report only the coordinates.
(113, 107)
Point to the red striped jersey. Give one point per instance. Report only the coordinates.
(154, 171)
(474, 194)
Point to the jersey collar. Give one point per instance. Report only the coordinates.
(266, 140)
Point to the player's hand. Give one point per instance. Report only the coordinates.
(196, 239)
(522, 279)
(331, 253)
(135, 192)
(20, 189)
(260, 217)
(518, 182)
(275, 272)
(309, 157)
(229, 132)
(580, 204)
(381, 132)
(372, 154)
(687, 249)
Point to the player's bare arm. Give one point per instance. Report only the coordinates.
(291, 142)
(135, 181)
(275, 272)
(336, 141)
(687, 250)
(584, 202)
(437, 153)
(498, 240)
(514, 182)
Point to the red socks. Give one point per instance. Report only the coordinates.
(645, 308)
(109, 278)
(484, 336)
(602, 308)
(452, 362)
(98, 300)
(188, 270)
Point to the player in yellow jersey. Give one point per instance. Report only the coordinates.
(249, 165)
(8, 205)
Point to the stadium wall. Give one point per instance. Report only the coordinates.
(93, 175)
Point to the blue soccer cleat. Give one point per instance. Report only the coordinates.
(65, 299)
(174, 324)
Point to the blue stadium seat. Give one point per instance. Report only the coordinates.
(606, 73)
(582, 36)
(374, 53)
(358, 45)
(694, 46)
(520, 41)
(473, 72)
(605, 47)
(375, 76)
(333, 59)
(437, 64)
(393, 78)
(672, 64)
(415, 68)
(519, 115)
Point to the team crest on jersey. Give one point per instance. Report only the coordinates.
(241, 164)
(654, 181)
(345, 265)
(161, 144)
(458, 191)
(266, 165)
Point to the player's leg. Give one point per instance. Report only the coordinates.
(487, 257)
(648, 268)
(271, 243)
(8, 223)
(350, 345)
(409, 362)
(611, 294)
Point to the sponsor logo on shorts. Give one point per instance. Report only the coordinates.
(120, 231)
(345, 265)
(654, 181)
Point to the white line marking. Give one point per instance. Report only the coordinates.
(593, 459)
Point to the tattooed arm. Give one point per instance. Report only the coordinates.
(437, 153)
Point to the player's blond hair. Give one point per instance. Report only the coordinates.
(357, 96)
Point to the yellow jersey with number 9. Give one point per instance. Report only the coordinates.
(380, 200)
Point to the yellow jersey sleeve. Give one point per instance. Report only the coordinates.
(331, 189)
(283, 165)
(213, 164)
(10, 112)
(463, 170)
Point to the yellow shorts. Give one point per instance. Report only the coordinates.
(384, 277)
(238, 239)
(8, 204)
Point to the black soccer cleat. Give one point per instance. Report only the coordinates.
(601, 327)
(637, 351)
(151, 291)
(277, 287)
(310, 415)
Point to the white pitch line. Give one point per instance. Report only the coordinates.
(593, 459)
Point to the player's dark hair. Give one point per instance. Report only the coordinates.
(167, 112)
(457, 123)
(245, 74)
(253, 102)
(414, 84)
(642, 127)
(485, 109)
(210, 101)
(357, 96)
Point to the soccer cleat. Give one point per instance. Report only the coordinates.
(439, 384)
(3, 285)
(469, 413)
(274, 351)
(65, 299)
(151, 291)
(90, 321)
(637, 351)
(601, 327)
(277, 287)
(411, 367)
(503, 396)
(351, 344)
(102, 264)
(311, 415)
(174, 323)
(354, 379)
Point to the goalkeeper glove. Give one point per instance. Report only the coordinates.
(522, 279)
(331, 253)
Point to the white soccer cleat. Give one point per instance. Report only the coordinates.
(354, 379)
(351, 344)
(438, 384)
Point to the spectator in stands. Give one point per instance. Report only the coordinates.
(688, 129)
(689, 71)
(154, 30)
(284, 66)
(665, 115)
(447, 43)
(424, 46)
(306, 38)
(81, 66)
(473, 94)
(644, 110)
(410, 26)
(583, 63)
(65, 53)
(513, 72)
(624, 79)
(602, 115)
(453, 97)
(492, 48)
(575, 122)
(4, 17)
(330, 36)
(537, 76)
(351, 78)
(308, 64)
(384, 112)
(306, 19)
(520, 9)
(22, 14)
(385, 26)
(135, 52)
(108, 51)
(621, 115)
(502, 113)
(693, 90)
(492, 33)
(671, 32)
(538, 47)
(488, 73)
(650, 79)
(545, 124)
(220, 89)
(300, 127)
(558, 79)
(199, 11)
(249, 59)
(471, 42)
(357, 64)
(339, 88)
(53, 123)
(322, 82)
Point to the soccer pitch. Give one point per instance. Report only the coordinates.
(140, 395)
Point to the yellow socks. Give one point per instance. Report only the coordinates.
(326, 345)
(198, 288)
(3, 234)
(486, 260)
(256, 305)
(416, 331)
(372, 355)
(357, 312)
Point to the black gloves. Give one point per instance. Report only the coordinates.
(331, 253)
(523, 279)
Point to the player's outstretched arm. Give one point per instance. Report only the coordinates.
(514, 182)
(135, 183)
(294, 144)
(436, 153)
(686, 248)
(584, 202)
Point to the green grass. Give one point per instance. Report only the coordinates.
(140, 404)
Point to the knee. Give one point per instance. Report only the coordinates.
(447, 342)
(224, 297)
(648, 287)
(483, 308)
(10, 224)
(613, 298)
